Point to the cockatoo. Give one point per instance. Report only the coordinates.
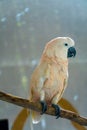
(49, 79)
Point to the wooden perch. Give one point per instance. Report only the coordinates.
(37, 107)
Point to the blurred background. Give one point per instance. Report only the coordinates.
(25, 27)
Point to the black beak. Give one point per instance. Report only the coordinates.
(71, 52)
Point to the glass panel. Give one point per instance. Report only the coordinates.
(25, 27)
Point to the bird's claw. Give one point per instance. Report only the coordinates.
(57, 110)
(44, 106)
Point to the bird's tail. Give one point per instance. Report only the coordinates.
(35, 117)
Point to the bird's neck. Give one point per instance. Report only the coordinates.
(56, 60)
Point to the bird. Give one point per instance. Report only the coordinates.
(50, 78)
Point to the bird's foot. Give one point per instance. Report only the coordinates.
(57, 110)
(44, 106)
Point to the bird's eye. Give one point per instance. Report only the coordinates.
(66, 44)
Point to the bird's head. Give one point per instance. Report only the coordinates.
(61, 47)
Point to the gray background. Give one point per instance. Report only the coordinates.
(25, 27)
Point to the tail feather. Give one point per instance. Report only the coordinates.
(36, 117)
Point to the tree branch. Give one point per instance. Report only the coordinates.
(37, 107)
